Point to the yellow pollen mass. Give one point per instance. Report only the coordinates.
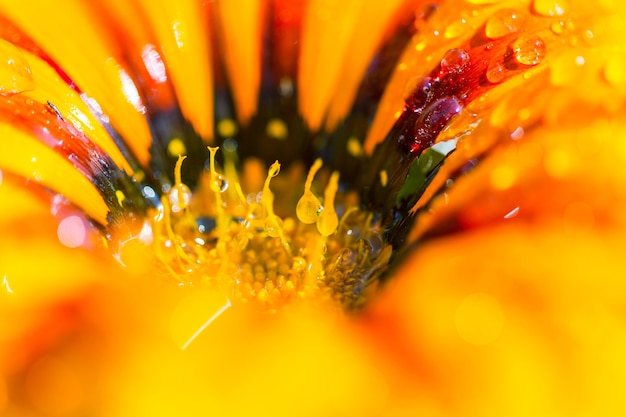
(263, 248)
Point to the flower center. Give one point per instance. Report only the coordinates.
(283, 243)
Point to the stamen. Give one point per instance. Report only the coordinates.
(180, 189)
(216, 185)
(327, 221)
(245, 250)
(309, 207)
(273, 223)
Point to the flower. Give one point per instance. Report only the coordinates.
(465, 260)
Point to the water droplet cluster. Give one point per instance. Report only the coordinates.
(505, 44)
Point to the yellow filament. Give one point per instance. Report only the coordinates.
(263, 257)
(175, 239)
(177, 169)
(328, 221)
(273, 223)
(222, 219)
(309, 206)
(267, 201)
(179, 187)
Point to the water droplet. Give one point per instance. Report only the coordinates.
(455, 29)
(558, 27)
(15, 73)
(613, 72)
(528, 49)
(221, 183)
(503, 23)
(308, 208)
(495, 72)
(432, 121)
(273, 226)
(518, 133)
(588, 37)
(417, 92)
(206, 224)
(454, 61)
(154, 63)
(5, 285)
(549, 7)
(179, 197)
(512, 213)
(327, 222)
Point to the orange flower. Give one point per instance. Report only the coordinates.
(457, 253)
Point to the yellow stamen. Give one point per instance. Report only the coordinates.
(240, 246)
(217, 185)
(328, 221)
(309, 207)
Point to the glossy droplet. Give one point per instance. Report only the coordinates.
(528, 49)
(179, 197)
(327, 223)
(613, 71)
(328, 220)
(454, 61)
(495, 72)
(455, 29)
(503, 23)
(417, 92)
(221, 183)
(308, 208)
(273, 226)
(549, 7)
(432, 121)
(557, 28)
(15, 73)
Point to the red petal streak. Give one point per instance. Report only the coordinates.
(10, 33)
